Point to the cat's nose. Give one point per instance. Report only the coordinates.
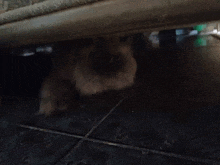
(111, 60)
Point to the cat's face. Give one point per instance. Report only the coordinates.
(105, 65)
(107, 57)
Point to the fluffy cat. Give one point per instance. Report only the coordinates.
(107, 64)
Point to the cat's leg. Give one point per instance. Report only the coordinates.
(55, 95)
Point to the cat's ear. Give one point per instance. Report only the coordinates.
(128, 40)
(101, 41)
(97, 40)
(109, 39)
(113, 39)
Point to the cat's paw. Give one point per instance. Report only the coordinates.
(46, 107)
(49, 107)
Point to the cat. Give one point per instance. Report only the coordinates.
(107, 64)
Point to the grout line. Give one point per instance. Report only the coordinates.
(152, 151)
(50, 131)
(93, 128)
(123, 145)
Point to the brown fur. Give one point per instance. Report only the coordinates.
(77, 75)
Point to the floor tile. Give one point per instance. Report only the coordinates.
(100, 154)
(19, 146)
(79, 121)
(197, 136)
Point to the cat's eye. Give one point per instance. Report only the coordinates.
(114, 59)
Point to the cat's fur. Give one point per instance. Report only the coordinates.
(108, 64)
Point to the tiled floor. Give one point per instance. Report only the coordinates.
(171, 118)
